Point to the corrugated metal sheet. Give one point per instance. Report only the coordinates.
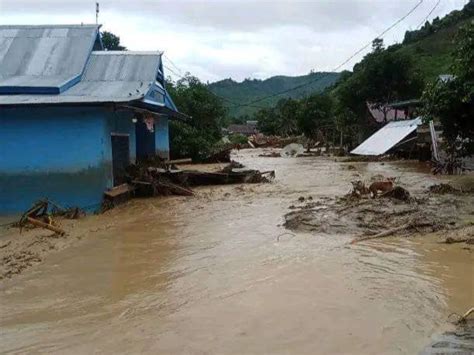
(40, 56)
(84, 92)
(122, 66)
(108, 77)
(34, 60)
(387, 137)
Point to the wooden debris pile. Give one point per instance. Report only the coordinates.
(165, 179)
(42, 215)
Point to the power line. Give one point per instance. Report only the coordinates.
(172, 71)
(172, 63)
(339, 66)
(429, 14)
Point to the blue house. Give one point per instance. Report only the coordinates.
(73, 116)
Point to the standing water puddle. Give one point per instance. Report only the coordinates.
(218, 273)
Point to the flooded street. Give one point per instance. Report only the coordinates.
(218, 273)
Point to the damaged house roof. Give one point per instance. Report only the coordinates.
(57, 65)
(387, 137)
(390, 115)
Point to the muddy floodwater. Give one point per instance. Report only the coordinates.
(219, 273)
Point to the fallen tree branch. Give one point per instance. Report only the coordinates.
(37, 223)
(383, 234)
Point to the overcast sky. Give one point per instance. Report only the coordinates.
(239, 39)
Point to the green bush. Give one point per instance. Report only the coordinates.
(238, 138)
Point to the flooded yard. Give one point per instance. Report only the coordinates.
(220, 273)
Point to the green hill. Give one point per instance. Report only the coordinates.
(432, 54)
(430, 47)
(252, 89)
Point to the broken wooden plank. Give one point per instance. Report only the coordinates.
(41, 224)
(119, 194)
(118, 190)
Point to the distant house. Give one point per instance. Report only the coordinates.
(402, 110)
(247, 129)
(73, 116)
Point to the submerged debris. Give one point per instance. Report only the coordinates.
(443, 189)
(292, 150)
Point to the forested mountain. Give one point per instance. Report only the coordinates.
(251, 89)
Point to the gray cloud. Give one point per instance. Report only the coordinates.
(239, 39)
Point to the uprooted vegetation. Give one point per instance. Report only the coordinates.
(394, 212)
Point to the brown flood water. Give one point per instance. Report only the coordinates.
(218, 274)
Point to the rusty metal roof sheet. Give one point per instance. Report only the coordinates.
(387, 137)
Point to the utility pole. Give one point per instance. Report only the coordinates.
(96, 13)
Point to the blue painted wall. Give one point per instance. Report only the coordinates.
(63, 153)
(162, 142)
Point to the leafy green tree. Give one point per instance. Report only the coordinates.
(386, 76)
(238, 138)
(315, 116)
(280, 120)
(198, 137)
(111, 42)
(452, 101)
(267, 121)
(377, 45)
(287, 113)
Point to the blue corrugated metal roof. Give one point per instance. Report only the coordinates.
(43, 59)
(108, 77)
(105, 76)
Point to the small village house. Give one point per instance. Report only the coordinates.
(73, 116)
(249, 128)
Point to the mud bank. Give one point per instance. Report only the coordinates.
(422, 213)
